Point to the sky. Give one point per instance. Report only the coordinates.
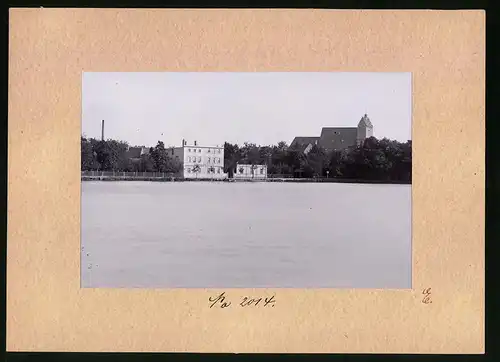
(260, 108)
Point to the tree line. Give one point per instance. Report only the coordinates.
(381, 160)
(378, 160)
(113, 155)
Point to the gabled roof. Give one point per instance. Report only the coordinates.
(338, 137)
(299, 142)
(137, 152)
(365, 121)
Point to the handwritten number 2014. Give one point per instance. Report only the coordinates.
(219, 301)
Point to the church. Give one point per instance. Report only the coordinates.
(336, 138)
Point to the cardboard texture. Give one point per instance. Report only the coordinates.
(49, 50)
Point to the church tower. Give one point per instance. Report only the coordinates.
(365, 129)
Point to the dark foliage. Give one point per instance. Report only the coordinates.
(378, 160)
(112, 155)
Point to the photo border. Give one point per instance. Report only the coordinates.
(52, 292)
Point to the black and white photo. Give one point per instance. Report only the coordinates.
(246, 180)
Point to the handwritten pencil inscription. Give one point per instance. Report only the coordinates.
(221, 301)
(427, 296)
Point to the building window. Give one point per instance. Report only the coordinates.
(189, 158)
(209, 150)
(261, 171)
(199, 150)
(189, 170)
(189, 150)
(209, 160)
(218, 169)
(199, 159)
(219, 150)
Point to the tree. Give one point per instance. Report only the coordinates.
(88, 161)
(159, 157)
(315, 161)
(109, 154)
(293, 159)
(232, 156)
(196, 170)
(146, 164)
(250, 153)
(173, 165)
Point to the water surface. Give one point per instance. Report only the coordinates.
(229, 235)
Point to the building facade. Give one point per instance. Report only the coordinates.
(336, 138)
(205, 162)
(244, 171)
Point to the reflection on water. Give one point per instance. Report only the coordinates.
(229, 235)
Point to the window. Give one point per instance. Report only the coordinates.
(209, 150)
(189, 158)
(219, 150)
(218, 169)
(209, 160)
(189, 170)
(199, 159)
(261, 171)
(199, 150)
(189, 150)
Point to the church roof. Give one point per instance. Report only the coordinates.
(302, 142)
(365, 121)
(338, 137)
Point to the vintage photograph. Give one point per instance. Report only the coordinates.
(246, 180)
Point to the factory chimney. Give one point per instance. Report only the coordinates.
(102, 131)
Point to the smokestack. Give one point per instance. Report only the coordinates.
(102, 131)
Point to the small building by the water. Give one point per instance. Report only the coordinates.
(245, 171)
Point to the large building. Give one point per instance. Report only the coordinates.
(336, 138)
(244, 171)
(197, 161)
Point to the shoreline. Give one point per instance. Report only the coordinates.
(296, 180)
